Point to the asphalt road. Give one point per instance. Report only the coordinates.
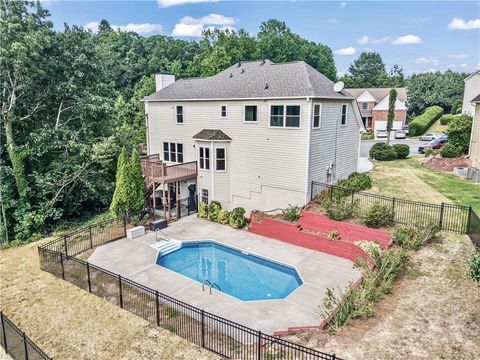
(365, 145)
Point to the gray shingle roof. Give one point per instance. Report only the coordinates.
(253, 80)
(379, 93)
(210, 134)
(476, 99)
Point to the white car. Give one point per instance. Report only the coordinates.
(400, 134)
(382, 134)
(429, 137)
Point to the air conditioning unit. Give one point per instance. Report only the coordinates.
(460, 171)
(475, 175)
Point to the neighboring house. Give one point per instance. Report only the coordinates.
(373, 106)
(474, 151)
(260, 132)
(472, 88)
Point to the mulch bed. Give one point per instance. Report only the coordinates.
(446, 165)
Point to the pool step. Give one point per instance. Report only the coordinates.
(166, 247)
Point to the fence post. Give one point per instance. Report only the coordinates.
(259, 346)
(157, 303)
(63, 269)
(125, 224)
(311, 190)
(440, 222)
(3, 332)
(65, 244)
(469, 219)
(88, 278)
(120, 294)
(203, 328)
(90, 235)
(179, 212)
(353, 193)
(25, 345)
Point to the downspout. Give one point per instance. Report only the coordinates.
(211, 170)
(309, 141)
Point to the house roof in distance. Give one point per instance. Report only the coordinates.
(379, 93)
(253, 79)
(212, 135)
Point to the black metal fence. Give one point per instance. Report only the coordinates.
(16, 343)
(219, 335)
(450, 217)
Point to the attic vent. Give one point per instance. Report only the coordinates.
(266, 86)
(231, 75)
(243, 70)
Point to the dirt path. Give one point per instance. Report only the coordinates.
(69, 323)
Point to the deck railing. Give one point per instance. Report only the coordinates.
(155, 170)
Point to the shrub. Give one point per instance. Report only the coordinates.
(333, 235)
(339, 207)
(223, 217)
(402, 150)
(370, 247)
(431, 152)
(237, 221)
(202, 210)
(420, 124)
(356, 182)
(291, 213)
(457, 107)
(446, 119)
(450, 151)
(459, 132)
(474, 264)
(376, 149)
(383, 152)
(213, 210)
(414, 237)
(378, 215)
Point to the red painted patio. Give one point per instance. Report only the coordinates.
(311, 231)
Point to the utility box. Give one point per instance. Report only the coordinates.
(158, 224)
(135, 232)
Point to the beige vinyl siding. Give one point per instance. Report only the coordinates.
(322, 143)
(266, 167)
(474, 151)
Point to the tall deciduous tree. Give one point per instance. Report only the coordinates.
(391, 112)
(367, 70)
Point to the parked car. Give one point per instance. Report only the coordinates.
(400, 134)
(382, 134)
(405, 128)
(434, 144)
(429, 137)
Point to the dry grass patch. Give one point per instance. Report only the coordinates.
(68, 322)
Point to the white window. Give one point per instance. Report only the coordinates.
(173, 152)
(250, 113)
(179, 114)
(343, 120)
(365, 105)
(204, 158)
(223, 111)
(205, 196)
(220, 159)
(285, 116)
(317, 114)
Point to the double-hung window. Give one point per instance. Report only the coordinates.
(204, 158)
(173, 152)
(365, 105)
(220, 159)
(317, 114)
(250, 113)
(205, 196)
(343, 120)
(223, 111)
(285, 116)
(179, 114)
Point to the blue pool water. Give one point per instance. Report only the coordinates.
(244, 276)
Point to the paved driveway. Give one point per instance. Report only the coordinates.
(365, 145)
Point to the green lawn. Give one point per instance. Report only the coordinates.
(437, 127)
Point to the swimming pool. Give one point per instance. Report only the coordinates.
(237, 273)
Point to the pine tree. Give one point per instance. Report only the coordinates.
(119, 204)
(391, 112)
(136, 194)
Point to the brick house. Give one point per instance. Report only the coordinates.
(373, 106)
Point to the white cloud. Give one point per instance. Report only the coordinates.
(145, 28)
(193, 27)
(407, 39)
(343, 4)
(429, 60)
(371, 40)
(346, 51)
(460, 24)
(457, 56)
(333, 21)
(168, 3)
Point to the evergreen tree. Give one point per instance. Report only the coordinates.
(368, 70)
(391, 112)
(119, 203)
(136, 198)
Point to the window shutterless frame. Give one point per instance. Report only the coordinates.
(255, 114)
(179, 114)
(204, 197)
(223, 111)
(343, 115)
(317, 116)
(284, 116)
(204, 158)
(220, 159)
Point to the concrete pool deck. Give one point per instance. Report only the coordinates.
(135, 259)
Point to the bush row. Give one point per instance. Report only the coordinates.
(383, 152)
(446, 119)
(420, 124)
(214, 212)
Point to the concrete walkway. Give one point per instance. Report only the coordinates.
(136, 260)
(364, 165)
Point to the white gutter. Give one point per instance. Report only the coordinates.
(309, 141)
(256, 98)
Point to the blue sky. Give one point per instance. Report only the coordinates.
(417, 35)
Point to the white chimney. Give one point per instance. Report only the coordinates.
(162, 80)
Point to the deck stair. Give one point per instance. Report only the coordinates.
(167, 247)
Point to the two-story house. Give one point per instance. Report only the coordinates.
(471, 89)
(259, 133)
(373, 106)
